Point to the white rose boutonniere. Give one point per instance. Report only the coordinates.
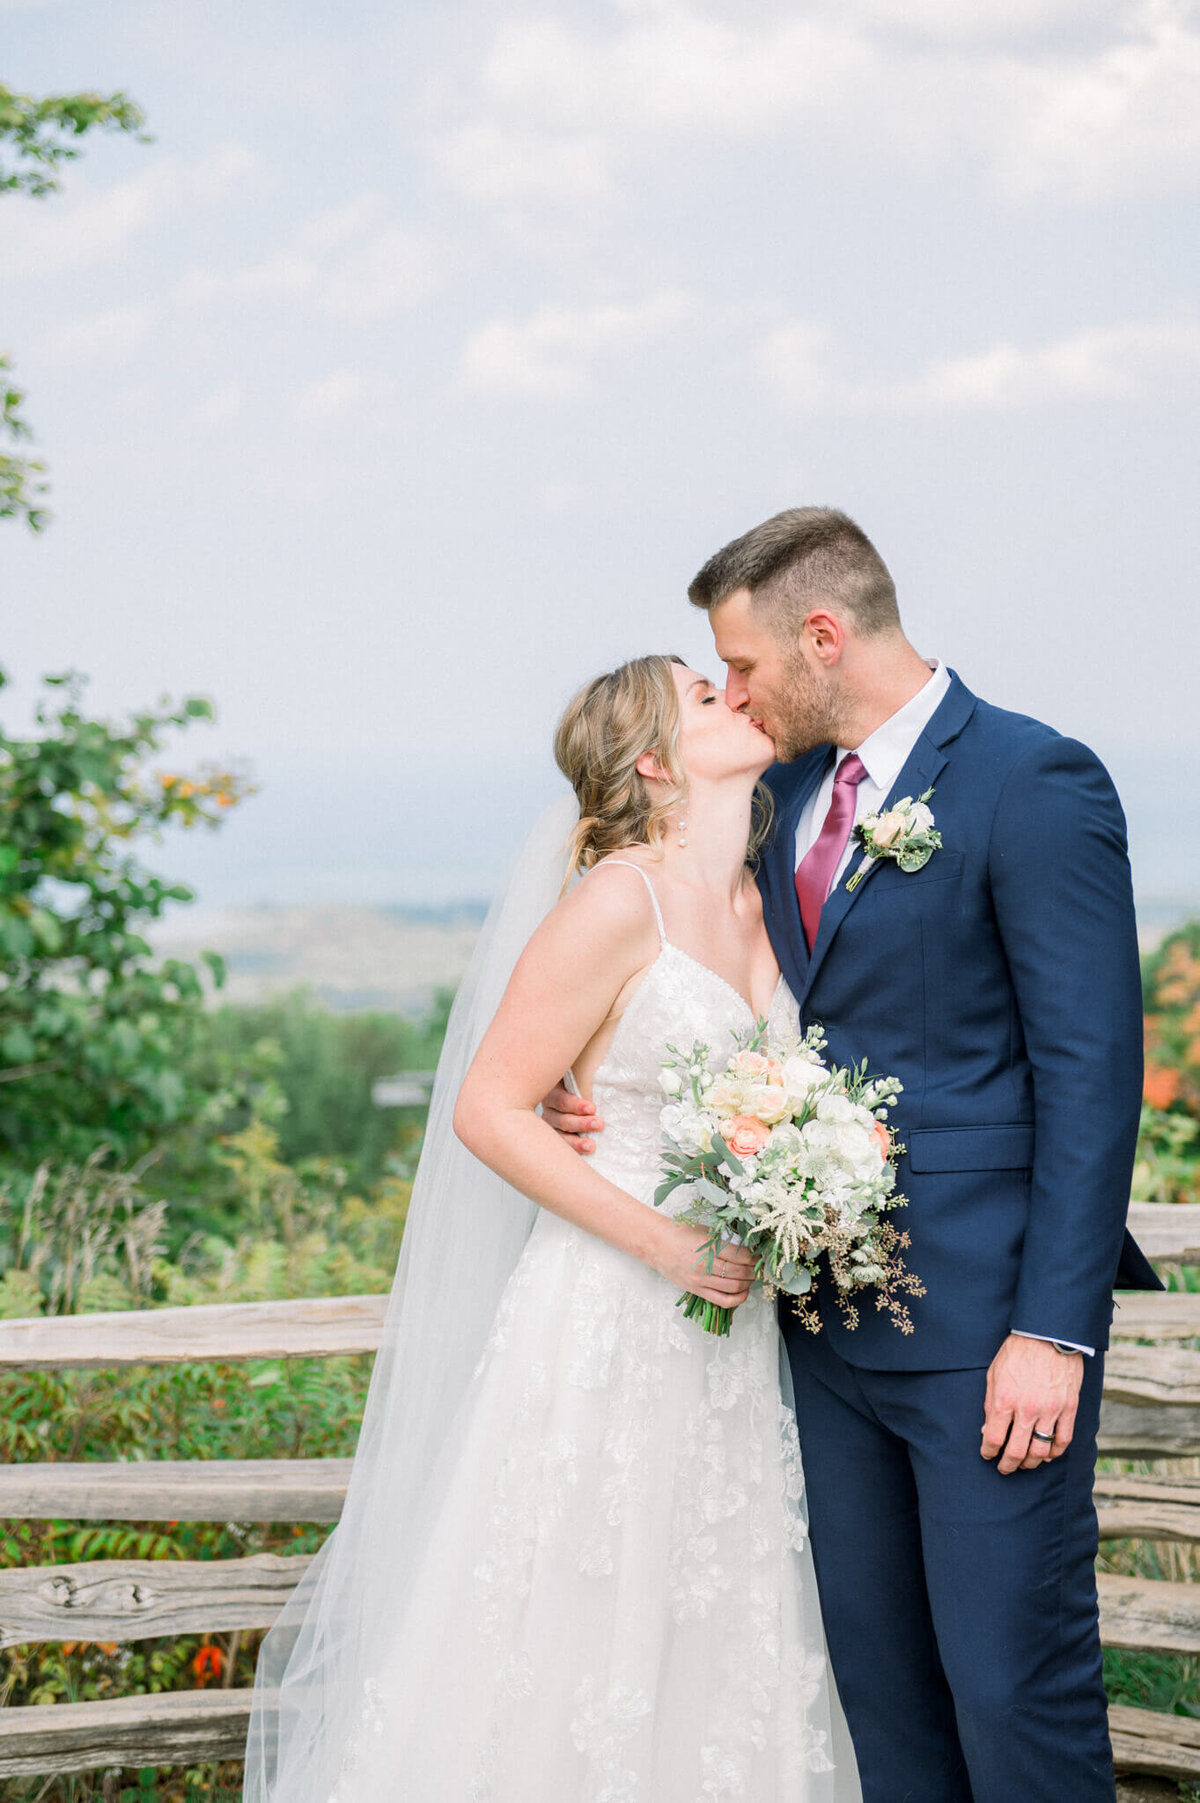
(904, 832)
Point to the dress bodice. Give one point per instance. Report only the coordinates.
(678, 1003)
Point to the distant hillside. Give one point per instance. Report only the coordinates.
(350, 958)
(393, 957)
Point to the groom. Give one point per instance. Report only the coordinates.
(949, 1471)
(1000, 984)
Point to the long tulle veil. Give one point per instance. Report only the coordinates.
(465, 1233)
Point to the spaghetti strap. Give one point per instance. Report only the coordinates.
(627, 864)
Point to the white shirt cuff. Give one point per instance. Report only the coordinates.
(1088, 1351)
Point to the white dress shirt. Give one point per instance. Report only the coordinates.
(884, 754)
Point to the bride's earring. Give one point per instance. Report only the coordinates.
(682, 832)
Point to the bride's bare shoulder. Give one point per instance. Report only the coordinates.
(612, 895)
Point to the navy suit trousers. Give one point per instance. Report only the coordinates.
(960, 1605)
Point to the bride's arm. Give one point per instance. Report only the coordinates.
(564, 988)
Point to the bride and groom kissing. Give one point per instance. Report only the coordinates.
(611, 1523)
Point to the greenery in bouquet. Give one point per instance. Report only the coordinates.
(793, 1158)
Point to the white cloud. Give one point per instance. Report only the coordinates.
(1104, 363)
(799, 362)
(221, 407)
(109, 338)
(1124, 121)
(339, 263)
(281, 276)
(554, 113)
(226, 170)
(89, 227)
(996, 20)
(489, 162)
(329, 229)
(552, 355)
(328, 398)
(1061, 97)
(802, 365)
(675, 66)
(393, 269)
(562, 496)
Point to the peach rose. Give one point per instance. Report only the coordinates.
(766, 1102)
(884, 1138)
(751, 1064)
(887, 828)
(745, 1136)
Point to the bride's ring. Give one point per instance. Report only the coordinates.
(1039, 1435)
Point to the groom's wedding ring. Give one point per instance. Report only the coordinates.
(1039, 1435)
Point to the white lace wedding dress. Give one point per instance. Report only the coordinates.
(617, 1604)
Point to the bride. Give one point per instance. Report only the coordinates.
(572, 1566)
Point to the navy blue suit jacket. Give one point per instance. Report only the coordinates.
(1000, 984)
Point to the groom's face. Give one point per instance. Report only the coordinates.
(781, 688)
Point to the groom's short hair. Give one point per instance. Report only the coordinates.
(800, 558)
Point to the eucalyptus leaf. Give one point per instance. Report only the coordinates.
(727, 1157)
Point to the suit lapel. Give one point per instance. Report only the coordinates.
(924, 765)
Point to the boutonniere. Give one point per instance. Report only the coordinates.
(905, 833)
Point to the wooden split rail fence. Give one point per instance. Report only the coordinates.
(1151, 1411)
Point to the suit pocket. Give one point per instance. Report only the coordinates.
(970, 1148)
(943, 867)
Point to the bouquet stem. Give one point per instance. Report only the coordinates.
(711, 1316)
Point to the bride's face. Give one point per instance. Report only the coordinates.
(715, 742)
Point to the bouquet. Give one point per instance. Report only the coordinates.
(792, 1157)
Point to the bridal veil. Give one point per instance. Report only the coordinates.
(465, 1233)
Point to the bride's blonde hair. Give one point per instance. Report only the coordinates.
(603, 732)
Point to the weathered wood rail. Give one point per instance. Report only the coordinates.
(1151, 1410)
(177, 1490)
(234, 1331)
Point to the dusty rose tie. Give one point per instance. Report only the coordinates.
(815, 874)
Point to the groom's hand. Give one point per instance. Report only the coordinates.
(572, 1116)
(1030, 1385)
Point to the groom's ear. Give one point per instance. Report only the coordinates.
(826, 634)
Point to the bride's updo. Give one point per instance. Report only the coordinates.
(602, 734)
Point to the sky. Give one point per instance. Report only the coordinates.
(404, 381)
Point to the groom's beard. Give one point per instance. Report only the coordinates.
(806, 712)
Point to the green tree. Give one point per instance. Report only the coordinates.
(36, 138)
(324, 1066)
(96, 1035)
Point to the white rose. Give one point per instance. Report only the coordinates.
(922, 817)
(800, 1077)
(860, 1148)
(836, 1108)
(671, 1082)
(725, 1099)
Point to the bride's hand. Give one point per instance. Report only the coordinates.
(682, 1260)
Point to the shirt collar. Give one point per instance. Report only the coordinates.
(886, 750)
